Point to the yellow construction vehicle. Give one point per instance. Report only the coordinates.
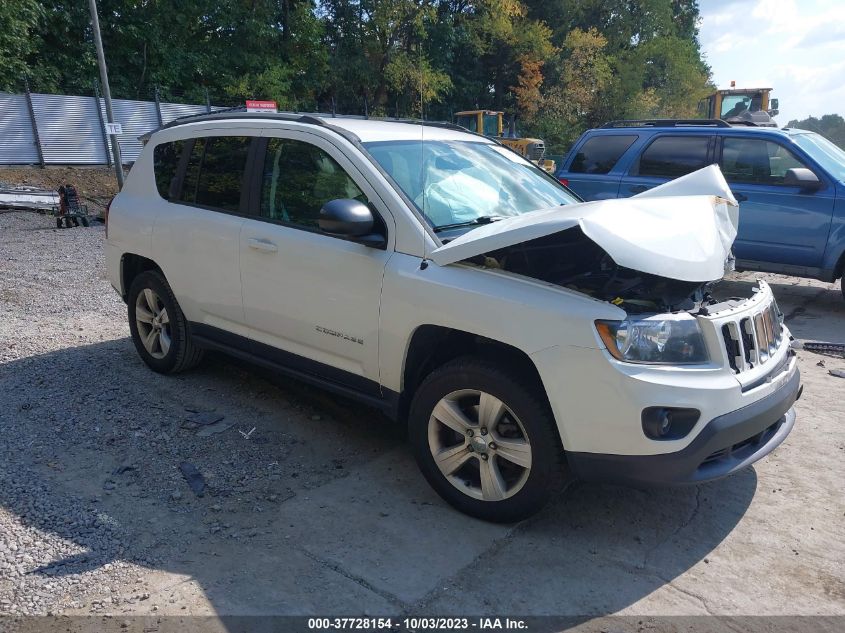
(490, 123)
(741, 105)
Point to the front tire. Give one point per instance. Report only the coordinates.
(484, 441)
(159, 328)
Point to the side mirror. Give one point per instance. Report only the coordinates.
(774, 104)
(350, 219)
(801, 177)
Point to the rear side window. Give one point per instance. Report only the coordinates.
(165, 164)
(214, 173)
(673, 156)
(600, 154)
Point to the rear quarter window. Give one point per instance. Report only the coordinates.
(673, 156)
(166, 158)
(214, 172)
(600, 154)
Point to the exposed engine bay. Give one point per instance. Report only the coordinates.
(659, 251)
(572, 260)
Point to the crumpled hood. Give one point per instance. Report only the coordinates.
(682, 229)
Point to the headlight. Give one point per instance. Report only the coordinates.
(655, 339)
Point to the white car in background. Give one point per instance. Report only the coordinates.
(436, 275)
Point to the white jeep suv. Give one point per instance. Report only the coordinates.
(436, 275)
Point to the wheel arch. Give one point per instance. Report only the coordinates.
(132, 265)
(432, 346)
(840, 266)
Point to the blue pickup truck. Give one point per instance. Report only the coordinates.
(790, 184)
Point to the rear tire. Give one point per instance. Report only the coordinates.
(159, 329)
(503, 473)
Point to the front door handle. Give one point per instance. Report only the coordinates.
(638, 189)
(262, 245)
(740, 197)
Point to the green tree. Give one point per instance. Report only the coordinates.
(575, 101)
(649, 64)
(511, 47)
(558, 66)
(18, 20)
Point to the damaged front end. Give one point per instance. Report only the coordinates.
(571, 260)
(659, 251)
(660, 327)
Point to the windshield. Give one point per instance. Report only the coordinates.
(465, 182)
(828, 155)
(733, 105)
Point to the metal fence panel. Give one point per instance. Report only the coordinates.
(171, 111)
(136, 118)
(17, 141)
(69, 128)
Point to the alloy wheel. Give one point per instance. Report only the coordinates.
(153, 323)
(479, 445)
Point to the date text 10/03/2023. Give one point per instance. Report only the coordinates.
(417, 624)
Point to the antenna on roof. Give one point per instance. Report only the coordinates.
(424, 262)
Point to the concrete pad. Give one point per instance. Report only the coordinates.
(384, 525)
(591, 553)
(286, 582)
(238, 580)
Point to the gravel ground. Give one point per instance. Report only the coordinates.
(79, 406)
(313, 505)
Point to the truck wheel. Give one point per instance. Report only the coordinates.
(485, 442)
(159, 328)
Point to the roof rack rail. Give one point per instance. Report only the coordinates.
(666, 123)
(240, 112)
(313, 118)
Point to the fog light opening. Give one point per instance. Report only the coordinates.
(665, 423)
(668, 423)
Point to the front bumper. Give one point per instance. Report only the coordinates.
(727, 444)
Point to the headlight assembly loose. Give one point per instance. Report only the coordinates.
(663, 339)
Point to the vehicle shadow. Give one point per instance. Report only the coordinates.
(312, 505)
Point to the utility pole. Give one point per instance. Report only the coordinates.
(104, 79)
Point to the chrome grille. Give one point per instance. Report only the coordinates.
(752, 341)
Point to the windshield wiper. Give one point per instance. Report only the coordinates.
(482, 219)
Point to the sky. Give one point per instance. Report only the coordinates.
(795, 47)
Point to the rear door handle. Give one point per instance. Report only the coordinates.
(740, 197)
(261, 245)
(638, 188)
